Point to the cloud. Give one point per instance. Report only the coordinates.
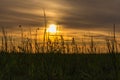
(70, 13)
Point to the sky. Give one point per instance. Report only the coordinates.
(77, 18)
(82, 14)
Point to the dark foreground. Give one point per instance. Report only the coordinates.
(59, 67)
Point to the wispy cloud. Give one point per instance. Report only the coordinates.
(70, 13)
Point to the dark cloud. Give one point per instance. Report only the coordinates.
(70, 13)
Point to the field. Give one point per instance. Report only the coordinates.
(72, 42)
(59, 66)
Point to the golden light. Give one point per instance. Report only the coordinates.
(52, 28)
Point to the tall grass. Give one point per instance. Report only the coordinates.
(57, 45)
(4, 40)
(60, 46)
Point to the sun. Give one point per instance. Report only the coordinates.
(52, 28)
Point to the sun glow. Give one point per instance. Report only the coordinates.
(52, 28)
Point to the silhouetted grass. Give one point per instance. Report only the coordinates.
(27, 61)
(58, 67)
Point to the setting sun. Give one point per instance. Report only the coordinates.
(52, 28)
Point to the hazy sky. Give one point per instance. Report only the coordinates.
(69, 13)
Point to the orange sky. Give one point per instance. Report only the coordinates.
(76, 18)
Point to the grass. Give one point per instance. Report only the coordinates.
(27, 44)
(58, 67)
(60, 61)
